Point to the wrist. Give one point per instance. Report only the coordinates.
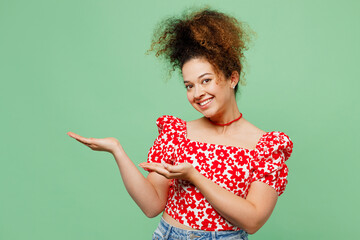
(118, 151)
(195, 176)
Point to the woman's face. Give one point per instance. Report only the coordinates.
(206, 92)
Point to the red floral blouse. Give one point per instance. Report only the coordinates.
(233, 168)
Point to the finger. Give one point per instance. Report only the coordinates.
(80, 138)
(146, 164)
(159, 170)
(151, 166)
(170, 175)
(173, 168)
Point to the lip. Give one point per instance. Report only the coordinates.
(206, 105)
(204, 100)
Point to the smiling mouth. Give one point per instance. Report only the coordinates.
(206, 102)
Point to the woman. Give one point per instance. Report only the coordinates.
(217, 177)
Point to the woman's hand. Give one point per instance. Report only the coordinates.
(98, 144)
(184, 171)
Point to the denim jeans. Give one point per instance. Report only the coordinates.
(167, 231)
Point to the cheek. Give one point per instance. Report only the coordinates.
(190, 99)
(188, 96)
(213, 89)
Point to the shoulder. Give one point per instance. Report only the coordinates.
(275, 142)
(198, 126)
(250, 127)
(277, 138)
(267, 137)
(166, 122)
(252, 132)
(196, 122)
(269, 142)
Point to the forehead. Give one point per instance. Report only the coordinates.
(196, 67)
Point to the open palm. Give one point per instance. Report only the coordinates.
(97, 144)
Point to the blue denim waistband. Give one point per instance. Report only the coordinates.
(169, 232)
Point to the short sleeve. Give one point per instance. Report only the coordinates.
(163, 149)
(269, 165)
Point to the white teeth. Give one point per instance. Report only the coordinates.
(203, 103)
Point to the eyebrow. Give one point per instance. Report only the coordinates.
(185, 81)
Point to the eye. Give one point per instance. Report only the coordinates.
(188, 87)
(206, 80)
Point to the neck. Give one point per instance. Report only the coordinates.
(227, 124)
(226, 116)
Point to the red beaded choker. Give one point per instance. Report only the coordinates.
(225, 124)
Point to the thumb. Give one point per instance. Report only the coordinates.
(172, 168)
(167, 166)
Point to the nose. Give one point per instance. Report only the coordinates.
(198, 92)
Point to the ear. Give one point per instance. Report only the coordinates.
(234, 79)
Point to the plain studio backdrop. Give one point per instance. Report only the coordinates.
(80, 66)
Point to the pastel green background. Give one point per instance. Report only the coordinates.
(80, 66)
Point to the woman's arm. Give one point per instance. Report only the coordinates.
(150, 193)
(249, 214)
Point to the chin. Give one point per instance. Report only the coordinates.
(206, 114)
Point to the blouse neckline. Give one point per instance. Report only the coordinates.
(222, 145)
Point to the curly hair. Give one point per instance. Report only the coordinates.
(219, 38)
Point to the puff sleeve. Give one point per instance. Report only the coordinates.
(163, 149)
(269, 163)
